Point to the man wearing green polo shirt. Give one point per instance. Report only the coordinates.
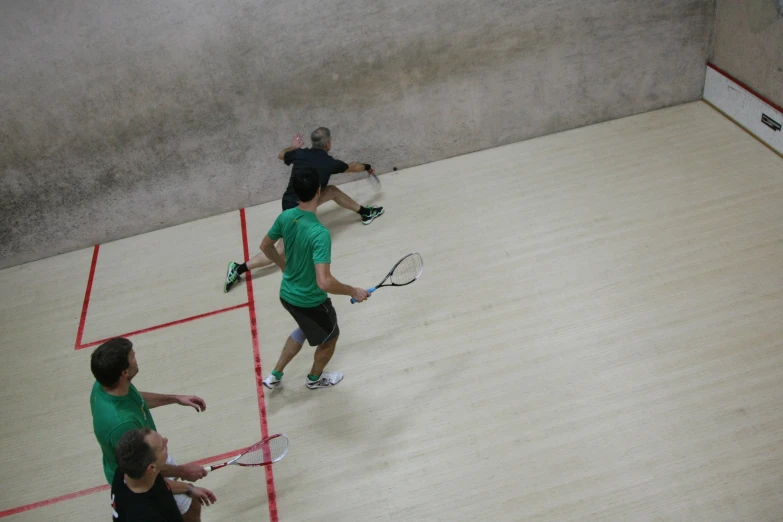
(307, 281)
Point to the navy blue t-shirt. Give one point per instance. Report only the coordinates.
(318, 159)
(156, 505)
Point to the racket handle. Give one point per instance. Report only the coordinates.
(369, 291)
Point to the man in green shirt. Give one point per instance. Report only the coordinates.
(117, 406)
(307, 281)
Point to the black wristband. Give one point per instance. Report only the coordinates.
(367, 167)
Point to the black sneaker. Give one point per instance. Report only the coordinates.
(232, 276)
(372, 214)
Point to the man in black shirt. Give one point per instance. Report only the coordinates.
(139, 493)
(316, 158)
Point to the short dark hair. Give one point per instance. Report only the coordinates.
(109, 360)
(320, 137)
(133, 453)
(306, 182)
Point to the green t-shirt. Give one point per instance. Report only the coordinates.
(112, 417)
(307, 243)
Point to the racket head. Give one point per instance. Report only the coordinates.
(407, 270)
(266, 451)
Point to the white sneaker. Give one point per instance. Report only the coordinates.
(327, 379)
(271, 381)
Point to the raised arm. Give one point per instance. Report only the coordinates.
(296, 143)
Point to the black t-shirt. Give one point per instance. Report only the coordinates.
(314, 158)
(155, 505)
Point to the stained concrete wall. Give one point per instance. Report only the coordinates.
(117, 118)
(749, 45)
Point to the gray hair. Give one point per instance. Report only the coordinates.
(320, 137)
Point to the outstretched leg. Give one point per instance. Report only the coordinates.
(259, 260)
(332, 193)
(341, 198)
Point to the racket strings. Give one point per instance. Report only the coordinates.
(408, 270)
(264, 452)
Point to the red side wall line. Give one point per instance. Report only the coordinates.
(87, 293)
(105, 487)
(270, 480)
(754, 93)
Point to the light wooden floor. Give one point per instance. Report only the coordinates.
(597, 336)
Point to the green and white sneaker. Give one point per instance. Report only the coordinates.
(232, 276)
(271, 381)
(374, 213)
(324, 381)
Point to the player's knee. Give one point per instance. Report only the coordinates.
(298, 336)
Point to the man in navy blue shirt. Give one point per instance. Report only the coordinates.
(139, 493)
(316, 158)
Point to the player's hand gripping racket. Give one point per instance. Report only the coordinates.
(407, 270)
(266, 451)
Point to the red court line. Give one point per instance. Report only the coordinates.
(165, 325)
(270, 479)
(97, 489)
(754, 93)
(87, 293)
(85, 306)
(55, 500)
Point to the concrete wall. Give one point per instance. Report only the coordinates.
(749, 45)
(117, 118)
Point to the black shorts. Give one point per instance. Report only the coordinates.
(318, 323)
